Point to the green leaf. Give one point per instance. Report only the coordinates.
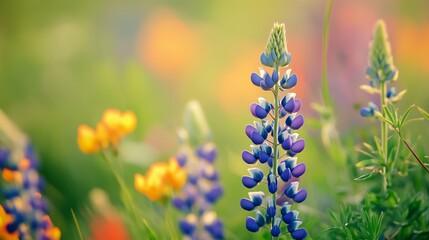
(368, 146)
(364, 177)
(378, 145)
(369, 89)
(367, 163)
(76, 223)
(366, 153)
(404, 117)
(399, 96)
(379, 115)
(425, 114)
(390, 115)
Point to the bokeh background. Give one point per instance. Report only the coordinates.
(63, 62)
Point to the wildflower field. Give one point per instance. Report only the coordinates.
(194, 120)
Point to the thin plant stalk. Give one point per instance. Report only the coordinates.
(128, 200)
(384, 136)
(275, 138)
(325, 39)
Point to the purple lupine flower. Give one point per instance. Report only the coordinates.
(22, 196)
(275, 129)
(380, 71)
(202, 189)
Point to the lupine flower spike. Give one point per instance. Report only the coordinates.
(275, 128)
(380, 73)
(202, 190)
(24, 212)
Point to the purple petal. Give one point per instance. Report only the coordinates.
(290, 105)
(291, 81)
(287, 144)
(249, 129)
(258, 111)
(297, 122)
(298, 146)
(248, 182)
(256, 138)
(290, 217)
(271, 211)
(256, 79)
(268, 81)
(297, 105)
(300, 196)
(298, 170)
(186, 227)
(248, 157)
(286, 175)
(299, 234)
(275, 231)
(251, 224)
(275, 76)
(246, 204)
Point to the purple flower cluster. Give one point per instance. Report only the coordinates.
(380, 71)
(200, 192)
(23, 198)
(275, 128)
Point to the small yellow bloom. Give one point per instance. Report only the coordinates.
(176, 175)
(114, 125)
(128, 122)
(51, 232)
(87, 139)
(150, 186)
(24, 164)
(112, 119)
(8, 175)
(4, 220)
(160, 179)
(103, 135)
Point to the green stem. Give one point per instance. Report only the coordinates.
(275, 138)
(325, 87)
(384, 136)
(412, 152)
(128, 200)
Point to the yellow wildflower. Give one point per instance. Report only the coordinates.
(160, 179)
(128, 122)
(114, 125)
(51, 232)
(175, 174)
(4, 220)
(87, 139)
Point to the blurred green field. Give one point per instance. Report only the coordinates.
(62, 63)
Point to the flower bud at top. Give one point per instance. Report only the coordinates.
(276, 53)
(381, 66)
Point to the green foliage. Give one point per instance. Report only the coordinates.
(351, 223)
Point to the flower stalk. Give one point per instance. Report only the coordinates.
(282, 179)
